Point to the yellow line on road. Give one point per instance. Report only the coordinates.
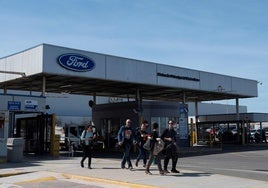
(106, 181)
(37, 180)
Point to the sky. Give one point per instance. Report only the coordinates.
(227, 37)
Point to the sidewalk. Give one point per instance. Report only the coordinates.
(107, 171)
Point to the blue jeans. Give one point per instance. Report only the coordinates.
(126, 156)
(142, 155)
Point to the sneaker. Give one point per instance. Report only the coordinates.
(166, 171)
(175, 171)
(89, 167)
(136, 164)
(131, 168)
(82, 165)
(148, 172)
(162, 173)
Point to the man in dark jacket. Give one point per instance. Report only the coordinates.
(169, 137)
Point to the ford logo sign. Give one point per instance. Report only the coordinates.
(76, 62)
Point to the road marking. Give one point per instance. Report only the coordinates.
(107, 181)
(37, 180)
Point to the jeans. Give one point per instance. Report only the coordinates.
(126, 155)
(142, 155)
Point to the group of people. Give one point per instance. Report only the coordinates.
(127, 136)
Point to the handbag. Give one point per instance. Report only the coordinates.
(158, 147)
(82, 143)
(119, 147)
(147, 145)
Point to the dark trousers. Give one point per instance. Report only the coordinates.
(126, 155)
(171, 153)
(142, 155)
(87, 153)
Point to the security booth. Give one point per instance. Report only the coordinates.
(25, 127)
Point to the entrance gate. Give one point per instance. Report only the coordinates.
(36, 132)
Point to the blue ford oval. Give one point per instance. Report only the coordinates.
(76, 62)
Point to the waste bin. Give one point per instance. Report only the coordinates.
(15, 149)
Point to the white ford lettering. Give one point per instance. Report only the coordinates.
(77, 62)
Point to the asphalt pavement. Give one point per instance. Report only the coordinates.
(65, 171)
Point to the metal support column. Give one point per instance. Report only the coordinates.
(139, 102)
(238, 122)
(44, 86)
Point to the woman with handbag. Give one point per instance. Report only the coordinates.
(142, 136)
(87, 137)
(153, 155)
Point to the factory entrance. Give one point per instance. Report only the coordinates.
(36, 132)
(110, 128)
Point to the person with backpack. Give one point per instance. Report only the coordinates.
(125, 139)
(87, 138)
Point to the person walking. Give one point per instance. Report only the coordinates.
(141, 137)
(87, 137)
(154, 156)
(169, 137)
(125, 140)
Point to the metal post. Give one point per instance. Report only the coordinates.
(44, 86)
(139, 101)
(192, 132)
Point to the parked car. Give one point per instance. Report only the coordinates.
(255, 135)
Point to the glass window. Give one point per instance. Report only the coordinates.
(163, 122)
(73, 131)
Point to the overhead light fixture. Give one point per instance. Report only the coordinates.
(65, 92)
(65, 86)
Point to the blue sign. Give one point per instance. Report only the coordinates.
(14, 105)
(183, 110)
(76, 62)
